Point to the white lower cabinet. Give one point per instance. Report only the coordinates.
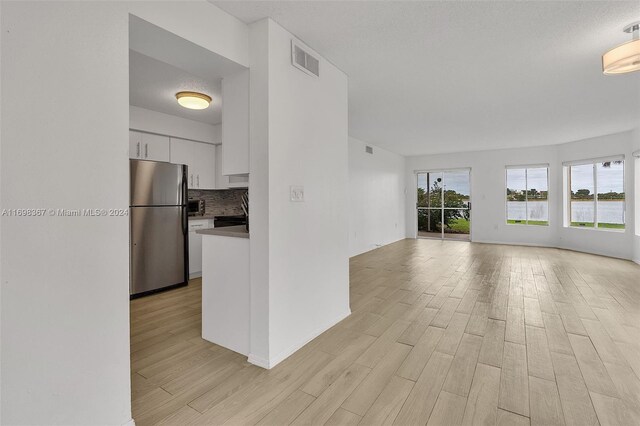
(201, 160)
(195, 246)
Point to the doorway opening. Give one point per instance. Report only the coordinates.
(444, 204)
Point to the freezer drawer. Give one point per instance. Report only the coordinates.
(158, 247)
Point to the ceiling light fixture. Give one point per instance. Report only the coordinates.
(193, 100)
(626, 57)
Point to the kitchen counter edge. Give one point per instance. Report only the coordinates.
(239, 231)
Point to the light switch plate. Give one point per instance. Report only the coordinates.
(296, 193)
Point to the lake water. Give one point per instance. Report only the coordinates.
(581, 211)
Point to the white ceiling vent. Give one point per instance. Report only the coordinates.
(368, 149)
(303, 60)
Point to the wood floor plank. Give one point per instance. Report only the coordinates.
(595, 374)
(286, 412)
(417, 327)
(570, 319)
(514, 380)
(607, 350)
(556, 335)
(343, 417)
(482, 402)
(460, 375)
(514, 331)
(626, 382)
(507, 418)
(232, 384)
(612, 411)
(546, 409)
(478, 320)
(574, 396)
(538, 356)
(382, 345)
(446, 312)
(493, 343)
(185, 415)
(327, 375)
(420, 354)
(368, 391)
(449, 409)
(419, 404)
(453, 334)
(386, 407)
(532, 313)
(321, 410)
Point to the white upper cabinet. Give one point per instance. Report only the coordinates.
(147, 146)
(201, 160)
(235, 124)
(205, 166)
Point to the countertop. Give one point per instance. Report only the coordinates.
(205, 217)
(239, 231)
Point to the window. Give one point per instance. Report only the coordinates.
(527, 195)
(596, 193)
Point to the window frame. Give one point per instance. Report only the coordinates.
(526, 167)
(567, 192)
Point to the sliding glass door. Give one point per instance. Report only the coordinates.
(444, 204)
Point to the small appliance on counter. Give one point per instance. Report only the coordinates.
(195, 207)
(158, 226)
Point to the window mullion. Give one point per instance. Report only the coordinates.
(526, 196)
(595, 196)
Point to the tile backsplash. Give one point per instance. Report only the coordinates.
(220, 202)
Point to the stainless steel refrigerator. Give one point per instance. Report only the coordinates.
(158, 226)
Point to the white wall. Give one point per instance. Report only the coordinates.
(488, 215)
(376, 197)
(636, 204)
(308, 248)
(65, 301)
(150, 121)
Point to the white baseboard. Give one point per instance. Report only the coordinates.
(272, 362)
(195, 275)
(505, 243)
(259, 361)
(130, 423)
(375, 247)
(596, 252)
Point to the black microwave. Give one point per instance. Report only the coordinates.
(195, 207)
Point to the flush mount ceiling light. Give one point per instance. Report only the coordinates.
(626, 57)
(193, 100)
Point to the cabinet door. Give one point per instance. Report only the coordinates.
(183, 152)
(235, 124)
(135, 144)
(205, 166)
(222, 181)
(155, 147)
(195, 254)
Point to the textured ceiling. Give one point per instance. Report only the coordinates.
(433, 77)
(153, 85)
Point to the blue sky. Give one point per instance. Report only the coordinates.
(456, 180)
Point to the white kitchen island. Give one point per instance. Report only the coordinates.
(226, 312)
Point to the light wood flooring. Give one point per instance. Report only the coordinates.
(442, 333)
